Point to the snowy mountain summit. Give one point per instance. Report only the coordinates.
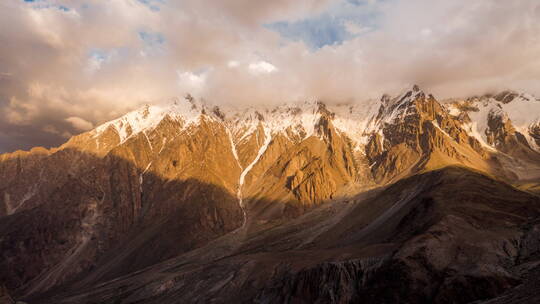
(358, 121)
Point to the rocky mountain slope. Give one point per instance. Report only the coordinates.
(507, 123)
(192, 193)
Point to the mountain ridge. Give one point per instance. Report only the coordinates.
(165, 181)
(189, 111)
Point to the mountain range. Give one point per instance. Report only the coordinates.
(402, 199)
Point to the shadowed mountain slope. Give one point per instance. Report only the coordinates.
(447, 236)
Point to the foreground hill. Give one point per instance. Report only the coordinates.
(447, 236)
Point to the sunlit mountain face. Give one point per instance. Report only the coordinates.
(280, 152)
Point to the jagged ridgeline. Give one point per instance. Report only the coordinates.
(401, 199)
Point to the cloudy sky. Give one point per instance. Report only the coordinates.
(68, 65)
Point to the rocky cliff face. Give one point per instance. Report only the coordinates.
(414, 132)
(167, 180)
(505, 123)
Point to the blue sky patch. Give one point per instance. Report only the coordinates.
(341, 22)
(316, 33)
(151, 39)
(153, 4)
(44, 4)
(98, 54)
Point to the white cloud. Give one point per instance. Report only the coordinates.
(51, 129)
(426, 32)
(355, 28)
(262, 67)
(191, 82)
(94, 64)
(233, 64)
(79, 123)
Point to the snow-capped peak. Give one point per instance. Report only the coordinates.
(356, 120)
(397, 108)
(298, 119)
(521, 109)
(149, 116)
